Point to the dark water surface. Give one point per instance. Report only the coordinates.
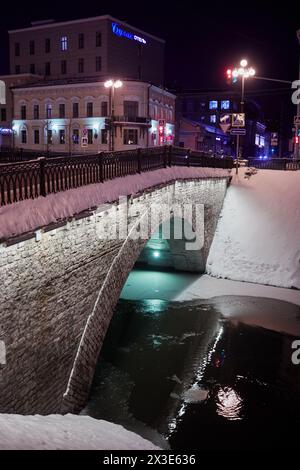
(183, 377)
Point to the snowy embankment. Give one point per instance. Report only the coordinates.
(26, 216)
(69, 432)
(258, 234)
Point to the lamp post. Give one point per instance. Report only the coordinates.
(244, 72)
(112, 85)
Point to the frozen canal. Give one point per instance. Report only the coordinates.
(199, 374)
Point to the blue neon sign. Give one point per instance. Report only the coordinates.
(125, 34)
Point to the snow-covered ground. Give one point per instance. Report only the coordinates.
(207, 287)
(26, 216)
(258, 234)
(69, 432)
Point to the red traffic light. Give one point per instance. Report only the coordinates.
(229, 73)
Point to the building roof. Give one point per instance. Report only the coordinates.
(205, 127)
(54, 24)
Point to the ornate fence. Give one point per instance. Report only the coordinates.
(31, 179)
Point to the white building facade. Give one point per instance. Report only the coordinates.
(72, 118)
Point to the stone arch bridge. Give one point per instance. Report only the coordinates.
(59, 288)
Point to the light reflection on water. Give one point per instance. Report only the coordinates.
(177, 374)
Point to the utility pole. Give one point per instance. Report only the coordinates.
(112, 84)
(238, 137)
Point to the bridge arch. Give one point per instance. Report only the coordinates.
(180, 233)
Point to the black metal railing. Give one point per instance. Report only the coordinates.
(31, 179)
(275, 164)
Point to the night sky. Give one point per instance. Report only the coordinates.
(203, 38)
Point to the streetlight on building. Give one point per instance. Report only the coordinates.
(112, 85)
(243, 72)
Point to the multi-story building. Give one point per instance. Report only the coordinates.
(7, 105)
(91, 47)
(61, 117)
(204, 109)
(55, 98)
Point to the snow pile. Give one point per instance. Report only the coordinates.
(26, 216)
(68, 432)
(258, 234)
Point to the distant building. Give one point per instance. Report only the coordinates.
(59, 117)
(203, 137)
(7, 82)
(90, 47)
(205, 108)
(55, 98)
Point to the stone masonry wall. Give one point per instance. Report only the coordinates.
(58, 293)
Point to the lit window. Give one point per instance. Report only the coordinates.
(49, 137)
(213, 105)
(75, 136)
(257, 139)
(213, 118)
(130, 137)
(62, 136)
(225, 104)
(64, 43)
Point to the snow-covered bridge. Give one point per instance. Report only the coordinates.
(60, 280)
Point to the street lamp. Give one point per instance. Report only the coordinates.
(243, 72)
(112, 85)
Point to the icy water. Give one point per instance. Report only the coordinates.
(185, 378)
